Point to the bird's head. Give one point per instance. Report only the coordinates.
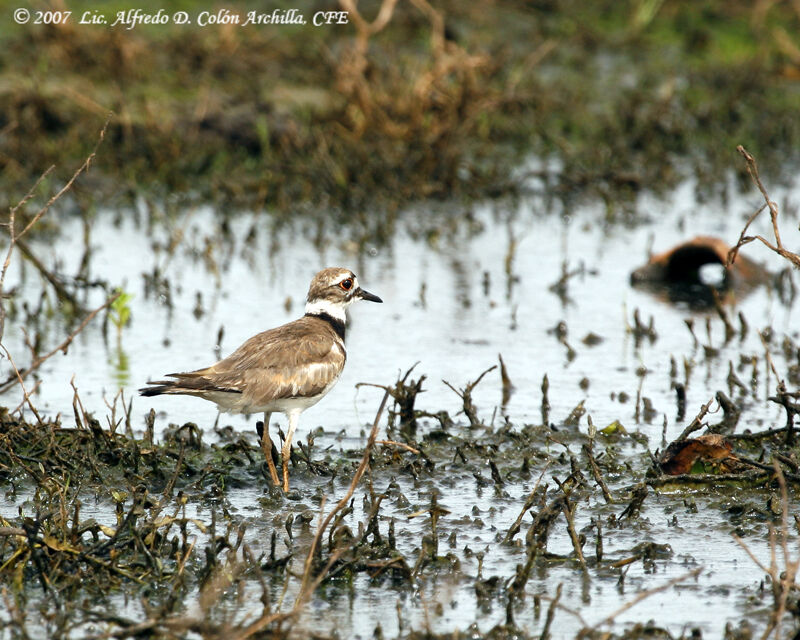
(334, 289)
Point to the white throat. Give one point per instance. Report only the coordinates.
(334, 310)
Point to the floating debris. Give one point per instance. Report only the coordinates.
(682, 274)
(699, 455)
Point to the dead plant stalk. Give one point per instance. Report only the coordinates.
(783, 578)
(778, 247)
(309, 585)
(15, 237)
(38, 360)
(646, 594)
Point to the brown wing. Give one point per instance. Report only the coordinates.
(294, 345)
(301, 358)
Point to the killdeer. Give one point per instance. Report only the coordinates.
(286, 369)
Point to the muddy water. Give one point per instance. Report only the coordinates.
(456, 294)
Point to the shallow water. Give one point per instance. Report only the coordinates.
(455, 334)
(450, 305)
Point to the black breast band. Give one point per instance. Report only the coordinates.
(338, 325)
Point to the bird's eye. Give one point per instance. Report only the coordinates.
(346, 284)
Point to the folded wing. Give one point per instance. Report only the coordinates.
(291, 361)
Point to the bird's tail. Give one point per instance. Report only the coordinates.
(192, 383)
(161, 386)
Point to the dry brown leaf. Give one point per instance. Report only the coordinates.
(682, 455)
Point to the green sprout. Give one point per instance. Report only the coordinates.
(120, 311)
(120, 314)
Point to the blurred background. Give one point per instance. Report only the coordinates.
(439, 100)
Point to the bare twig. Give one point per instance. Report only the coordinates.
(307, 586)
(61, 290)
(646, 594)
(551, 611)
(68, 185)
(569, 514)
(783, 578)
(598, 477)
(18, 378)
(466, 397)
(778, 247)
(11, 220)
(402, 445)
(12, 232)
(38, 360)
(697, 423)
(514, 528)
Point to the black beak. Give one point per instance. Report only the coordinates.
(366, 295)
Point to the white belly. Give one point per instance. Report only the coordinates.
(234, 402)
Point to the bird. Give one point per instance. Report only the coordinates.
(286, 369)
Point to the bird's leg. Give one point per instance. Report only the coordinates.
(266, 447)
(286, 452)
